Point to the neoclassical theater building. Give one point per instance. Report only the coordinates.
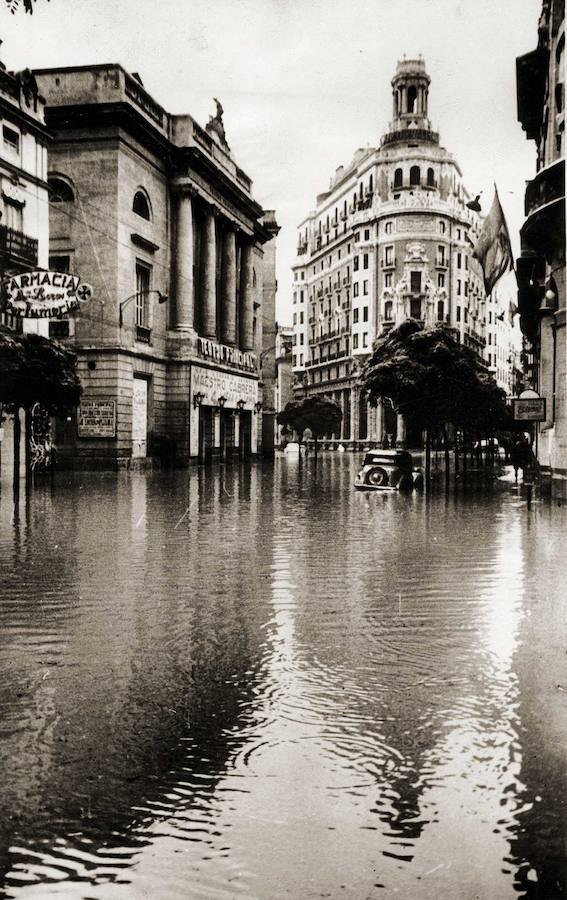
(392, 237)
(153, 212)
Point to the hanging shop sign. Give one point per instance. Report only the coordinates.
(44, 295)
(229, 356)
(529, 409)
(97, 418)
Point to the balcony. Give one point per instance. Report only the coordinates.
(544, 227)
(531, 78)
(17, 247)
(442, 262)
(302, 248)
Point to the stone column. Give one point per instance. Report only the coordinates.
(228, 291)
(183, 264)
(354, 413)
(401, 432)
(246, 336)
(208, 299)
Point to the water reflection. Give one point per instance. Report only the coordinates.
(264, 684)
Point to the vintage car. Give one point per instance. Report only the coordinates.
(388, 470)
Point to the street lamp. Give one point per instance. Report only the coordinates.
(162, 298)
(221, 402)
(198, 398)
(240, 404)
(258, 406)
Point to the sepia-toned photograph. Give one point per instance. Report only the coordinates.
(283, 450)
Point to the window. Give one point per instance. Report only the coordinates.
(388, 310)
(431, 178)
(301, 359)
(440, 310)
(415, 175)
(365, 261)
(60, 191)
(442, 227)
(458, 313)
(365, 314)
(365, 339)
(301, 320)
(415, 309)
(303, 276)
(459, 260)
(355, 315)
(355, 264)
(295, 318)
(388, 228)
(355, 342)
(301, 296)
(141, 207)
(389, 251)
(13, 215)
(11, 139)
(58, 328)
(458, 288)
(143, 285)
(301, 338)
(415, 282)
(367, 234)
(398, 178)
(60, 263)
(355, 289)
(441, 279)
(365, 287)
(466, 315)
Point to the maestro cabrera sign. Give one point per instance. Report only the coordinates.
(44, 295)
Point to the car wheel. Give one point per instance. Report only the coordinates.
(377, 477)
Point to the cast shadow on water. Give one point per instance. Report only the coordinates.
(156, 674)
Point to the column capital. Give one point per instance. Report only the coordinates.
(183, 188)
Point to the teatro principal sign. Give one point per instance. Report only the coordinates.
(229, 356)
(44, 295)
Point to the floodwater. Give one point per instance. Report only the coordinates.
(259, 683)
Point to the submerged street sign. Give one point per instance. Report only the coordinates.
(44, 295)
(529, 409)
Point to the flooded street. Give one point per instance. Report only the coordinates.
(259, 683)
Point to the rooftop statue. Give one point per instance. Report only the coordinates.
(215, 124)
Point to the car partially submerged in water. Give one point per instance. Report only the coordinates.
(388, 470)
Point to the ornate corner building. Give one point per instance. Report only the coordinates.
(541, 266)
(391, 238)
(153, 212)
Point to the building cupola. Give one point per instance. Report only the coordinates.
(410, 93)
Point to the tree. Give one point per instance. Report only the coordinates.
(435, 380)
(320, 414)
(15, 5)
(34, 369)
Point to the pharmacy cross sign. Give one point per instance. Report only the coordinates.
(44, 294)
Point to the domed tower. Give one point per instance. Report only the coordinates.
(410, 93)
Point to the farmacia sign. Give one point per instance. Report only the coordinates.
(44, 295)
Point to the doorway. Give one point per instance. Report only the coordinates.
(139, 417)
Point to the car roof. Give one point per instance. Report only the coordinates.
(388, 456)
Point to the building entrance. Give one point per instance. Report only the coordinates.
(245, 444)
(226, 435)
(206, 434)
(139, 417)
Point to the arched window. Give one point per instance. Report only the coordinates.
(398, 178)
(440, 310)
(431, 178)
(60, 191)
(141, 205)
(414, 175)
(412, 97)
(388, 310)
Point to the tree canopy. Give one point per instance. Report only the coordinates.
(433, 379)
(35, 369)
(320, 414)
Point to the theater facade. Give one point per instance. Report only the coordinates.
(154, 213)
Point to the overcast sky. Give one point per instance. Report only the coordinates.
(305, 82)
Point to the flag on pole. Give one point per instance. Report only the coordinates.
(493, 249)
